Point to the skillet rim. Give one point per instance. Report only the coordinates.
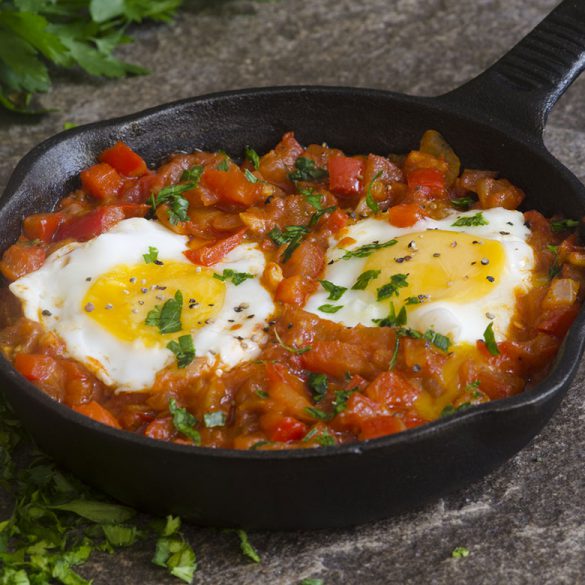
(566, 362)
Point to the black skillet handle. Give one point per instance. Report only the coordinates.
(522, 87)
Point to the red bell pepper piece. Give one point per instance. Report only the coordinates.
(346, 175)
(92, 224)
(101, 181)
(35, 367)
(42, 226)
(405, 214)
(211, 254)
(231, 186)
(97, 412)
(432, 178)
(122, 158)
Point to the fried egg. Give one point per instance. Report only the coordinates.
(454, 276)
(98, 295)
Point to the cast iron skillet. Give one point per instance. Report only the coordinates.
(495, 121)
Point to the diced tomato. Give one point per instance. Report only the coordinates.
(42, 226)
(335, 358)
(210, 254)
(346, 175)
(35, 367)
(97, 412)
(336, 221)
(21, 259)
(295, 290)
(405, 214)
(307, 260)
(498, 193)
(232, 186)
(276, 165)
(432, 178)
(92, 224)
(392, 390)
(101, 181)
(139, 190)
(161, 429)
(283, 429)
(557, 321)
(122, 158)
(79, 383)
(287, 391)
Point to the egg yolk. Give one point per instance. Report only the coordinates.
(121, 299)
(440, 265)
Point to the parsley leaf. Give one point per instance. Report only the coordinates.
(370, 201)
(341, 398)
(246, 547)
(364, 278)
(223, 165)
(460, 552)
(306, 170)
(312, 582)
(253, 157)
(394, 357)
(183, 349)
(563, 225)
(335, 291)
(214, 419)
(313, 199)
(391, 289)
(437, 339)
(290, 348)
(184, 422)
(174, 553)
(327, 308)
(168, 317)
(367, 249)
(152, 256)
(417, 300)
(236, 277)
(251, 178)
(318, 383)
(173, 198)
(463, 203)
(471, 220)
(292, 234)
(317, 413)
(490, 339)
(193, 175)
(393, 319)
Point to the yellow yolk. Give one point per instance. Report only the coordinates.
(440, 265)
(120, 300)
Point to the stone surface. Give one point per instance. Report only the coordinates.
(524, 523)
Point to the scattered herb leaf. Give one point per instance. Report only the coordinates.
(563, 225)
(390, 289)
(364, 278)
(370, 201)
(327, 308)
(183, 349)
(460, 552)
(236, 277)
(250, 176)
(335, 291)
(471, 220)
(367, 249)
(318, 383)
(214, 419)
(307, 170)
(253, 157)
(168, 317)
(184, 422)
(290, 348)
(152, 255)
(490, 339)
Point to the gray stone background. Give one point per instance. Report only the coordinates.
(524, 523)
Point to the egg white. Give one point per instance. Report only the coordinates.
(53, 296)
(462, 322)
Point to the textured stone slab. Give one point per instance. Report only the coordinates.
(525, 523)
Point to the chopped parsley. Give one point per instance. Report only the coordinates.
(364, 278)
(319, 214)
(393, 319)
(555, 267)
(261, 393)
(291, 235)
(394, 357)
(341, 398)
(224, 164)
(450, 409)
(318, 383)
(438, 340)
(183, 349)
(214, 419)
(193, 175)
(246, 547)
(250, 176)
(490, 339)
(173, 198)
(460, 552)
(463, 203)
(168, 317)
(307, 170)
(471, 220)
(317, 413)
(236, 277)
(327, 308)
(290, 348)
(152, 256)
(173, 552)
(324, 438)
(184, 422)
(367, 249)
(313, 199)
(312, 582)
(335, 292)
(563, 225)
(390, 289)
(472, 386)
(370, 201)
(253, 157)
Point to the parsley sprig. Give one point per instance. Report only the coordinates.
(367, 249)
(168, 316)
(292, 235)
(307, 170)
(183, 349)
(470, 220)
(236, 277)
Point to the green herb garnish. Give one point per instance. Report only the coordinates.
(261, 393)
(318, 383)
(319, 214)
(168, 317)
(183, 349)
(364, 278)
(563, 225)
(253, 157)
(236, 277)
(438, 340)
(312, 582)
(246, 547)
(390, 289)
(490, 339)
(307, 170)
(174, 553)
(152, 256)
(317, 413)
(370, 201)
(341, 398)
(178, 206)
(417, 300)
(335, 291)
(291, 235)
(290, 348)
(327, 308)
(313, 199)
(460, 552)
(463, 203)
(471, 220)
(224, 164)
(394, 357)
(367, 249)
(193, 175)
(184, 422)
(393, 319)
(214, 419)
(250, 176)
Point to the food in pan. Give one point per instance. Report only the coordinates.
(297, 299)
